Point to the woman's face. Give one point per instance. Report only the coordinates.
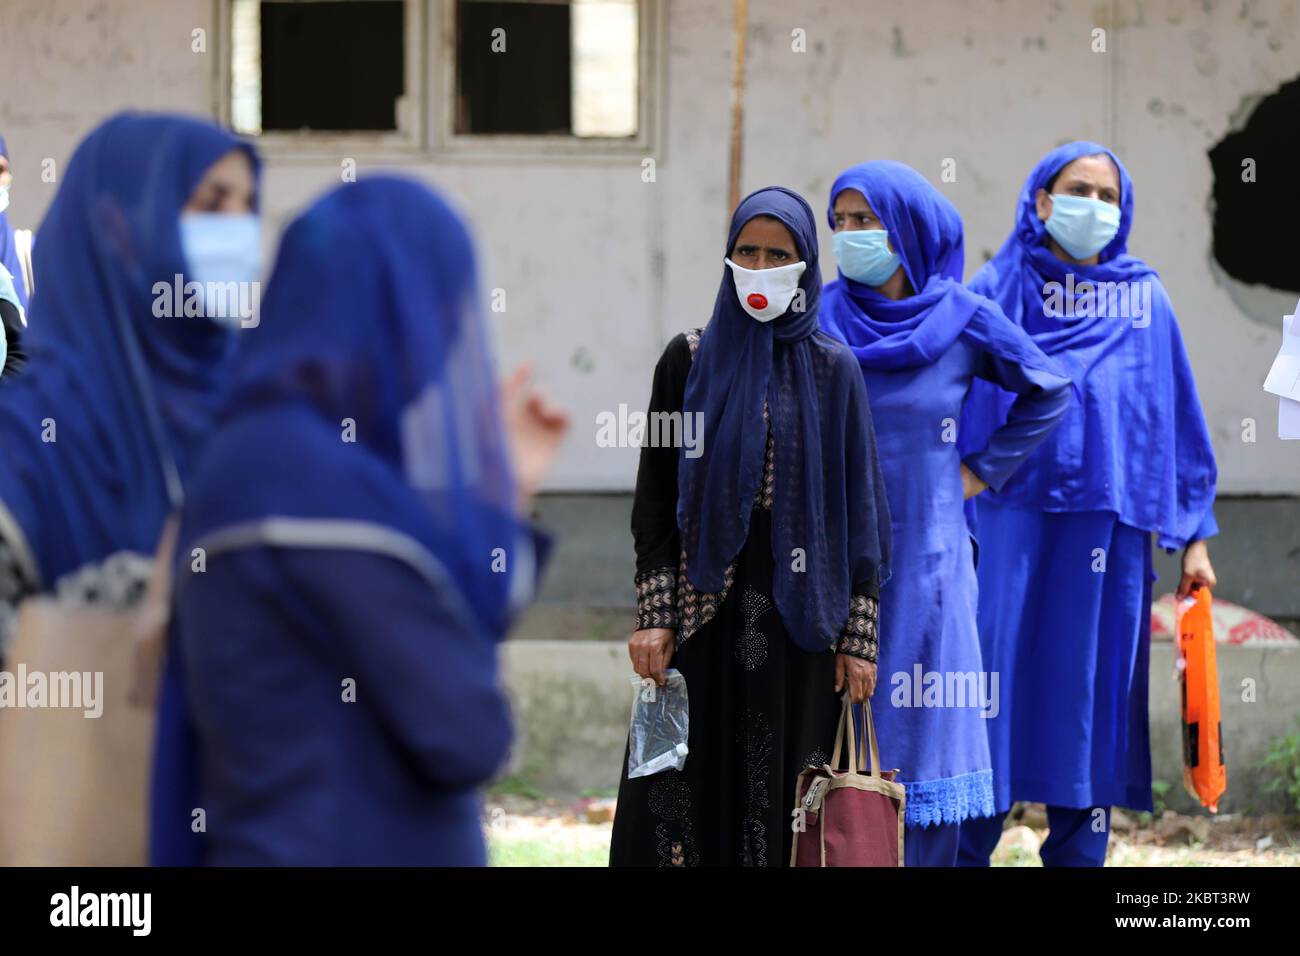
(227, 186)
(764, 243)
(6, 177)
(1090, 177)
(852, 211)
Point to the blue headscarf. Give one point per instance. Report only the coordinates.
(371, 322)
(1138, 447)
(8, 248)
(370, 327)
(925, 230)
(829, 499)
(124, 394)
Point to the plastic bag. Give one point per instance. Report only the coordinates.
(1204, 775)
(660, 726)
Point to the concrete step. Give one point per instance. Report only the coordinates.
(572, 700)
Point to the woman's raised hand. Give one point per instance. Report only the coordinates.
(534, 427)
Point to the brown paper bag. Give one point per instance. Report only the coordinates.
(73, 788)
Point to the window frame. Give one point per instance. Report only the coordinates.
(409, 140)
(512, 146)
(427, 127)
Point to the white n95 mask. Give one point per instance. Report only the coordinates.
(766, 293)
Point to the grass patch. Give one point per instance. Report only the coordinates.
(514, 786)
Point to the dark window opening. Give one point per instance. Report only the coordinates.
(1253, 239)
(525, 88)
(332, 66)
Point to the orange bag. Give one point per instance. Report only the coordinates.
(1204, 774)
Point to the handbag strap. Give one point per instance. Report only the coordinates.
(857, 756)
(871, 737)
(150, 638)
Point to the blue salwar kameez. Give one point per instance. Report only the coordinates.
(919, 357)
(1065, 547)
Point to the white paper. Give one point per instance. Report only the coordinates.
(1284, 377)
(1288, 418)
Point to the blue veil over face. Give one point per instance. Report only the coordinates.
(368, 392)
(1137, 443)
(102, 425)
(829, 498)
(8, 248)
(366, 399)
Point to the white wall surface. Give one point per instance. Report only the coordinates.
(601, 268)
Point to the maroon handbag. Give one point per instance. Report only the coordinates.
(849, 817)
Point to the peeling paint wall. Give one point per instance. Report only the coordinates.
(601, 268)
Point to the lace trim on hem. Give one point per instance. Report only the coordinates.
(949, 799)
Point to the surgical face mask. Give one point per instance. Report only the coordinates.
(766, 293)
(219, 250)
(863, 255)
(4, 198)
(1082, 226)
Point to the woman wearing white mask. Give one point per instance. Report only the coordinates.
(122, 370)
(761, 546)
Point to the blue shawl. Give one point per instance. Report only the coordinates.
(925, 230)
(125, 395)
(1137, 443)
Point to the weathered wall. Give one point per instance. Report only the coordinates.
(600, 268)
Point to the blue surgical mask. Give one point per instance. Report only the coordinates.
(863, 255)
(4, 198)
(220, 249)
(1082, 226)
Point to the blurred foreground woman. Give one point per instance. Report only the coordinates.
(99, 432)
(352, 552)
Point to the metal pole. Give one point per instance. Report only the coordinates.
(737, 107)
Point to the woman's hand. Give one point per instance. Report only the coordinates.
(971, 483)
(534, 429)
(859, 674)
(651, 649)
(1196, 569)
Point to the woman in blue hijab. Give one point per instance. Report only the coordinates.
(922, 339)
(15, 260)
(351, 554)
(1065, 557)
(13, 256)
(99, 431)
(762, 537)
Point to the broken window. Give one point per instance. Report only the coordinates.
(1257, 194)
(536, 67)
(327, 66)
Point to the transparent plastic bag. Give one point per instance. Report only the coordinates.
(660, 726)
